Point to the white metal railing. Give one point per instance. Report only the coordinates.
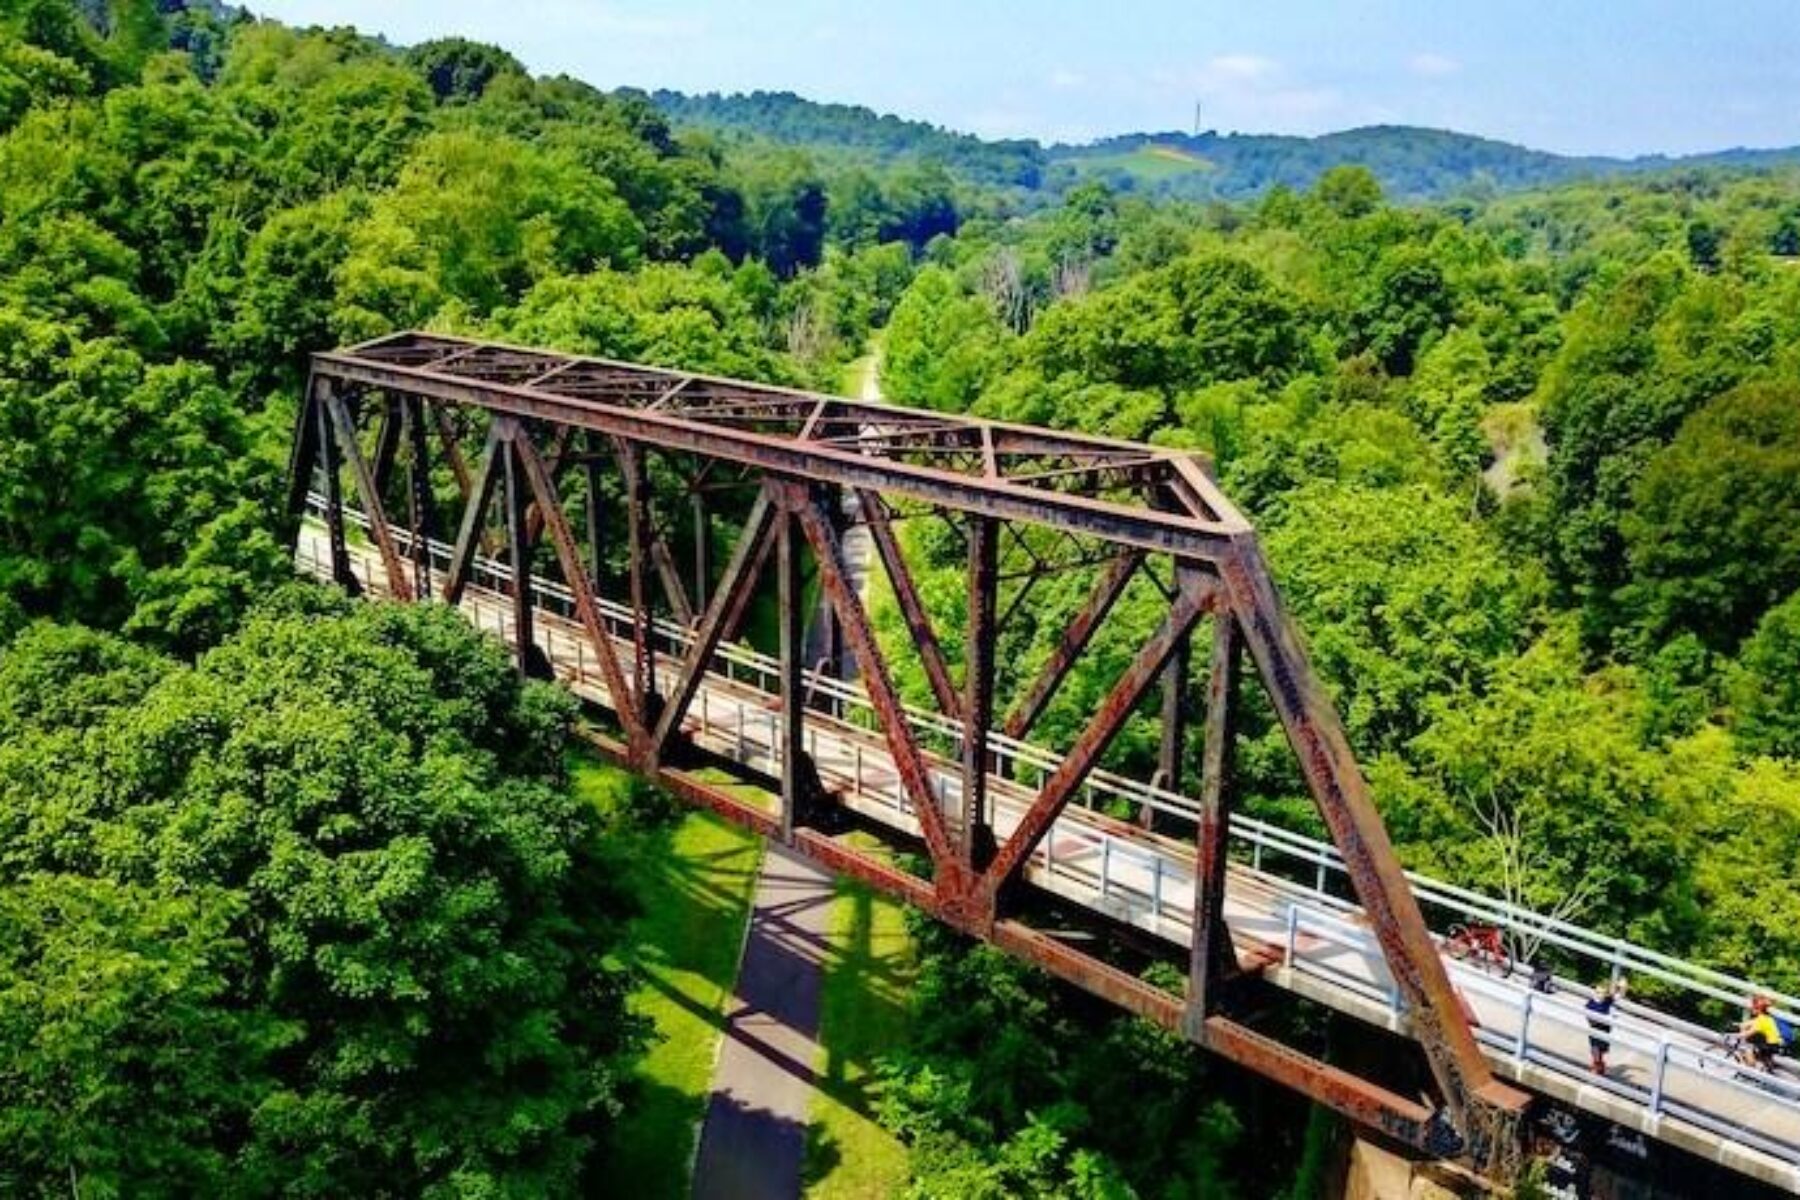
(1667, 1070)
(1138, 876)
(1257, 840)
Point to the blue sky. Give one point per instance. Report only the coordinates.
(1585, 76)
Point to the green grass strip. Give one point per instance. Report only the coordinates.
(695, 880)
(868, 975)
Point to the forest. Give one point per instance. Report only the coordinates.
(1409, 162)
(298, 897)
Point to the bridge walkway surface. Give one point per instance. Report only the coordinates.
(1284, 901)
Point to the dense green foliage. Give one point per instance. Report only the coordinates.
(785, 117)
(1409, 162)
(314, 916)
(1527, 475)
(1013, 1085)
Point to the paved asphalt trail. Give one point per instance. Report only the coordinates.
(753, 1143)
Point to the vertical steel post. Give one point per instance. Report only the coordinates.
(387, 443)
(974, 838)
(637, 520)
(518, 539)
(702, 550)
(1169, 764)
(595, 518)
(1210, 953)
(306, 449)
(791, 602)
(329, 459)
(418, 481)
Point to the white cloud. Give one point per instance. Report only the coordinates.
(1250, 91)
(1433, 66)
(1242, 68)
(1062, 77)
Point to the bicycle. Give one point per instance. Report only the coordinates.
(1483, 943)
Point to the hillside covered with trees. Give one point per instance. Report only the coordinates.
(295, 896)
(1410, 163)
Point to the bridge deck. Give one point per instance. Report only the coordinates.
(1667, 1080)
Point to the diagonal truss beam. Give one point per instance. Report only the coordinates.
(722, 614)
(543, 489)
(344, 430)
(559, 451)
(479, 495)
(453, 454)
(670, 575)
(1343, 800)
(1074, 640)
(853, 618)
(912, 606)
(1190, 601)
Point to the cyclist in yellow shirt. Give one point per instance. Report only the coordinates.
(1761, 1033)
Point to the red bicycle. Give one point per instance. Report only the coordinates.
(1483, 943)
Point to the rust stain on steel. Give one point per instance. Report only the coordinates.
(844, 466)
(978, 686)
(586, 609)
(1094, 740)
(908, 762)
(1343, 800)
(912, 608)
(1210, 934)
(633, 471)
(418, 492)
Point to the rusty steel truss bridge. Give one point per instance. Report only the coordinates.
(572, 505)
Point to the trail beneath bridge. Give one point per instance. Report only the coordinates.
(753, 1141)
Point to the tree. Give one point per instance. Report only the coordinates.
(942, 346)
(341, 925)
(478, 219)
(1403, 601)
(1204, 319)
(1407, 302)
(1555, 760)
(117, 483)
(678, 316)
(1766, 686)
(1703, 242)
(459, 69)
(123, 1057)
(1348, 191)
(1713, 534)
(787, 206)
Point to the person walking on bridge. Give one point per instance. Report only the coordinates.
(1600, 1023)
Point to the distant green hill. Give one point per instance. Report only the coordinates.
(1411, 162)
(785, 117)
